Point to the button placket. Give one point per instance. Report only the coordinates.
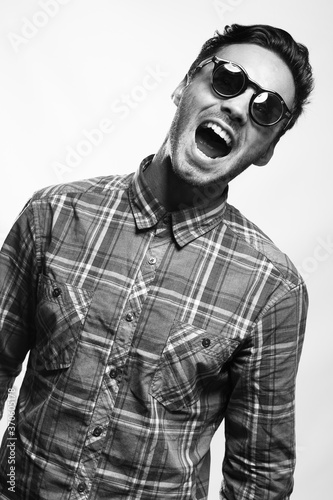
(116, 373)
(163, 228)
(81, 487)
(129, 317)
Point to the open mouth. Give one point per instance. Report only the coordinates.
(212, 140)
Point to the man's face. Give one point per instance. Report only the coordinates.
(192, 153)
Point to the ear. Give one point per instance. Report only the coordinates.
(264, 159)
(177, 93)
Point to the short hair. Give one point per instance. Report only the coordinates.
(294, 54)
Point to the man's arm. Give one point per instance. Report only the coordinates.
(18, 275)
(260, 427)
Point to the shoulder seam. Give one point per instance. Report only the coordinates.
(100, 184)
(291, 284)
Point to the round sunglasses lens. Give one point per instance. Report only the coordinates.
(266, 108)
(228, 79)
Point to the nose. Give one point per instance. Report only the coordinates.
(237, 107)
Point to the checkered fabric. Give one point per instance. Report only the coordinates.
(145, 329)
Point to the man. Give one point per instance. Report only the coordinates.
(153, 310)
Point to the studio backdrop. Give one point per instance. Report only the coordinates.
(85, 91)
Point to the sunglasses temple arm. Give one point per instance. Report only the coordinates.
(288, 123)
(206, 61)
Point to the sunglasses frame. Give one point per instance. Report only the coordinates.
(285, 111)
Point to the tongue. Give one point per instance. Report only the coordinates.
(211, 144)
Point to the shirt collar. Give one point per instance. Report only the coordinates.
(187, 223)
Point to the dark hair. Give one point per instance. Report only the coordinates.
(294, 54)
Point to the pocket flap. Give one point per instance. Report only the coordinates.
(60, 316)
(191, 360)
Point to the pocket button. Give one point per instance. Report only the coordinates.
(205, 343)
(56, 292)
(97, 431)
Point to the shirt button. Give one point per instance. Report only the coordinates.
(81, 487)
(152, 261)
(56, 292)
(205, 342)
(97, 431)
(113, 373)
(129, 317)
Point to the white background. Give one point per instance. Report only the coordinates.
(61, 79)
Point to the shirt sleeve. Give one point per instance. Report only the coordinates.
(259, 424)
(17, 298)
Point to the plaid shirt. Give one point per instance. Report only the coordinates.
(146, 329)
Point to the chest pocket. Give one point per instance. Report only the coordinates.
(191, 361)
(60, 315)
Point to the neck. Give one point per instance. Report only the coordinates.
(172, 191)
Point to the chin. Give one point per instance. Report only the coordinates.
(192, 177)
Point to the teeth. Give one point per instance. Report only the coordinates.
(219, 131)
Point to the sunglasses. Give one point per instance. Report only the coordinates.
(229, 80)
